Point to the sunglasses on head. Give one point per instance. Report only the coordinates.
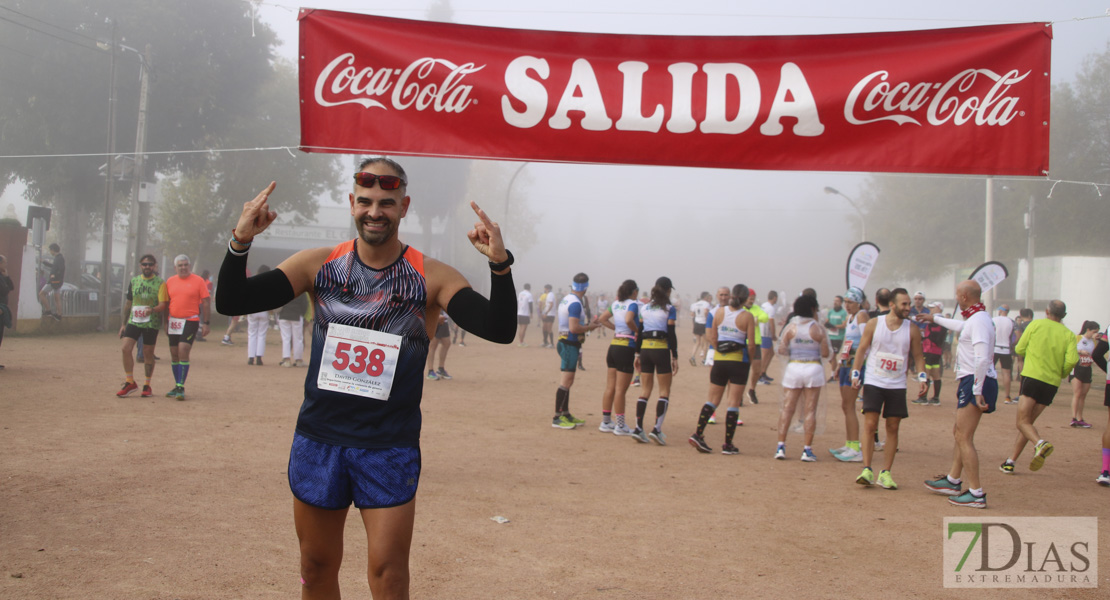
(386, 182)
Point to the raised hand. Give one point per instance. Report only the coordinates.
(486, 236)
(256, 216)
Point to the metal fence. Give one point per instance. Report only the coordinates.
(86, 303)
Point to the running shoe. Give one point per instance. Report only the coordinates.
(443, 373)
(780, 453)
(867, 477)
(227, 341)
(934, 402)
(751, 396)
(561, 422)
(179, 393)
(298, 363)
(147, 392)
(920, 400)
(941, 485)
(808, 456)
(621, 430)
(1007, 468)
(1041, 452)
(698, 442)
(1009, 401)
(258, 363)
(879, 446)
(1083, 424)
(639, 435)
(574, 419)
(712, 419)
(693, 363)
(636, 381)
(607, 427)
(839, 450)
(886, 481)
(285, 363)
(463, 344)
(851, 455)
(729, 449)
(1074, 423)
(658, 437)
(432, 375)
(172, 393)
(1104, 478)
(250, 361)
(127, 389)
(56, 316)
(969, 500)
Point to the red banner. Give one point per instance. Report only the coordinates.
(970, 100)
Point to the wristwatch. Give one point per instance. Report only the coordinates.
(505, 264)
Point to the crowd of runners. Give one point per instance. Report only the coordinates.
(878, 355)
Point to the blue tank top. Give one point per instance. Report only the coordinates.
(392, 300)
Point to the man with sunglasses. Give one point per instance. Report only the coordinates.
(141, 317)
(376, 301)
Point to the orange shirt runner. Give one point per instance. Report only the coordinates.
(184, 296)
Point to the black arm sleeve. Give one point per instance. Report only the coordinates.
(1099, 355)
(493, 319)
(672, 339)
(238, 295)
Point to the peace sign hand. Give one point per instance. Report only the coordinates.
(486, 237)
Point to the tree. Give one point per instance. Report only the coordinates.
(201, 205)
(923, 224)
(209, 63)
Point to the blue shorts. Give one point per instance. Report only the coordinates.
(767, 342)
(332, 477)
(845, 375)
(568, 356)
(964, 395)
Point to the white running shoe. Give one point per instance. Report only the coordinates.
(621, 430)
(780, 453)
(850, 455)
(607, 427)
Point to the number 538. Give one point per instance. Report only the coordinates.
(359, 359)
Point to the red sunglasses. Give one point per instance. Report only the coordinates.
(387, 182)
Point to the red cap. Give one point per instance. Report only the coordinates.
(751, 292)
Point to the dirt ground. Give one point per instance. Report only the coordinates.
(151, 498)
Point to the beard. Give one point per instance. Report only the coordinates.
(377, 238)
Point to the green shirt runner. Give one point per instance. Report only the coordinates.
(143, 292)
(1049, 350)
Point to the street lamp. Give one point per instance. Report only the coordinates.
(509, 191)
(862, 222)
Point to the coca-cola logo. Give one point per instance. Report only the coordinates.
(425, 83)
(961, 99)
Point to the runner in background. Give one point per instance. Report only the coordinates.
(658, 355)
(700, 311)
(1004, 360)
(623, 317)
(804, 344)
(853, 333)
(834, 323)
(1081, 375)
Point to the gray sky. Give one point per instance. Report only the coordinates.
(616, 222)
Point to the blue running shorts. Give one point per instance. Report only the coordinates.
(965, 397)
(333, 477)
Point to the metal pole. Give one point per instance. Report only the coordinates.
(133, 248)
(1029, 256)
(106, 232)
(988, 246)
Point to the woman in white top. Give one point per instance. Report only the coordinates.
(1080, 377)
(803, 341)
(623, 318)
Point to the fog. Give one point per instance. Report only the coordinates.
(703, 228)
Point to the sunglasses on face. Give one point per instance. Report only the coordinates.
(146, 264)
(386, 182)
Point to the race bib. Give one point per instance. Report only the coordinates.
(845, 349)
(1085, 360)
(890, 364)
(360, 362)
(177, 325)
(141, 314)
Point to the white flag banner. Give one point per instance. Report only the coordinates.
(861, 261)
(989, 274)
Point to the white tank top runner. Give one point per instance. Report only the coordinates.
(803, 348)
(726, 329)
(888, 355)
